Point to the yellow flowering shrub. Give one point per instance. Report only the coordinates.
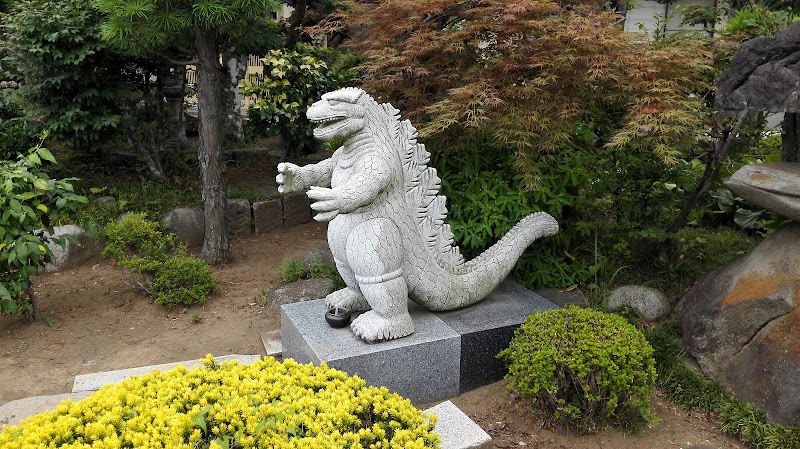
(267, 404)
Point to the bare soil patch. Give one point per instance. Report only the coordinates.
(93, 319)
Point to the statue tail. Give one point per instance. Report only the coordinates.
(472, 281)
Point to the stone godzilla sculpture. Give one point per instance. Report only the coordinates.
(387, 230)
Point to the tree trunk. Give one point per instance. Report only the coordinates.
(235, 69)
(292, 35)
(720, 146)
(790, 137)
(209, 105)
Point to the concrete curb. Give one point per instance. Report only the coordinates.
(457, 430)
(93, 382)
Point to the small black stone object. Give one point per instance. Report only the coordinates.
(337, 317)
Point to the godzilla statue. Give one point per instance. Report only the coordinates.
(387, 230)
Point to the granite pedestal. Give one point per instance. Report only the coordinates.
(449, 353)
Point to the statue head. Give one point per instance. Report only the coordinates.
(338, 114)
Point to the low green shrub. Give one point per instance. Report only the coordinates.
(182, 280)
(690, 389)
(144, 247)
(140, 244)
(584, 368)
(293, 269)
(266, 404)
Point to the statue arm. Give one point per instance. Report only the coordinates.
(371, 177)
(293, 178)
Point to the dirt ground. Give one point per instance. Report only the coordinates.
(91, 320)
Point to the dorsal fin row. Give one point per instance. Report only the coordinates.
(422, 192)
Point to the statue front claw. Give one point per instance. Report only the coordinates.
(325, 201)
(288, 178)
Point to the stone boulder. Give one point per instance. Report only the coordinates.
(188, 224)
(322, 254)
(774, 186)
(240, 218)
(742, 324)
(296, 209)
(764, 74)
(70, 255)
(267, 216)
(648, 303)
(304, 290)
(106, 201)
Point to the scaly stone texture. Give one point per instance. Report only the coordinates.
(742, 324)
(387, 230)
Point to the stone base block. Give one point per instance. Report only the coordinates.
(422, 367)
(449, 353)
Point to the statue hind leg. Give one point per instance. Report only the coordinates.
(349, 297)
(375, 254)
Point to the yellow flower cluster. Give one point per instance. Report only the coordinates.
(267, 404)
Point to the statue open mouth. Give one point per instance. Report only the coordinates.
(328, 126)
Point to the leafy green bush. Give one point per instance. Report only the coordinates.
(145, 247)
(70, 82)
(30, 204)
(584, 368)
(182, 280)
(15, 136)
(266, 404)
(291, 82)
(613, 208)
(140, 244)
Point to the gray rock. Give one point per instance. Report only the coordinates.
(296, 209)
(106, 201)
(267, 216)
(649, 303)
(774, 186)
(269, 191)
(70, 255)
(304, 290)
(319, 253)
(240, 218)
(188, 224)
(764, 74)
(742, 324)
(561, 297)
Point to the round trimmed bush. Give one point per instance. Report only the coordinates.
(582, 367)
(182, 280)
(140, 244)
(266, 404)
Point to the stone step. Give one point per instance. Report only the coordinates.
(92, 382)
(458, 431)
(11, 413)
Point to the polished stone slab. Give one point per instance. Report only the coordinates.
(449, 353)
(486, 328)
(423, 367)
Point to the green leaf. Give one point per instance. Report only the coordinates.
(41, 184)
(45, 154)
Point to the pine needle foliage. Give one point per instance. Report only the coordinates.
(524, 72)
